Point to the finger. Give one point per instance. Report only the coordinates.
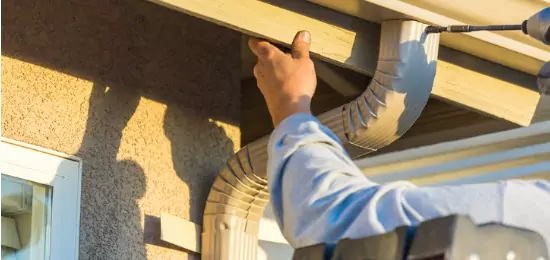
(301, 44)
(261, 48)
(256, 72)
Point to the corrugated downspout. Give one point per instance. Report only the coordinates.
(392, 102)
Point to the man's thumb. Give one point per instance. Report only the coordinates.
(300, 45)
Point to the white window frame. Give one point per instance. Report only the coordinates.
(60, 171)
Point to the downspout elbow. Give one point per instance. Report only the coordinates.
(389, 106)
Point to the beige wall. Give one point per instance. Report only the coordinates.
(147, 97)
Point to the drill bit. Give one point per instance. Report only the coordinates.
(472, 28)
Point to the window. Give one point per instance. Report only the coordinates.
(40, 202)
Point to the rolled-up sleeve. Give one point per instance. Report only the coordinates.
(319, 195)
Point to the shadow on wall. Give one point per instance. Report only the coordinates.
(133, 49)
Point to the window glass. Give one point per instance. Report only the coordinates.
(26, 211)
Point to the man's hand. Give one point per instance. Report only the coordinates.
(287, 81)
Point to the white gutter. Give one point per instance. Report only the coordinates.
(517, 153)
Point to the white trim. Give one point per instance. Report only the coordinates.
(504, 155)
(62, 172)
(486, 141)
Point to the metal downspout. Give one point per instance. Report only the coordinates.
(389, 106)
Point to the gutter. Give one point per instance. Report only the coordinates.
(387, 108)
(518, 153)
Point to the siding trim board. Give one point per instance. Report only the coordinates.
(481, 85)
(516, 153)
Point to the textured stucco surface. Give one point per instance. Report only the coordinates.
(147, 97)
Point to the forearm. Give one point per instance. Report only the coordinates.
(310, 175)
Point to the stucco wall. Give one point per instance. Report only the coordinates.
(147, 97)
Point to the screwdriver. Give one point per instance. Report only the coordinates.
(473, 28)
(537, 26)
